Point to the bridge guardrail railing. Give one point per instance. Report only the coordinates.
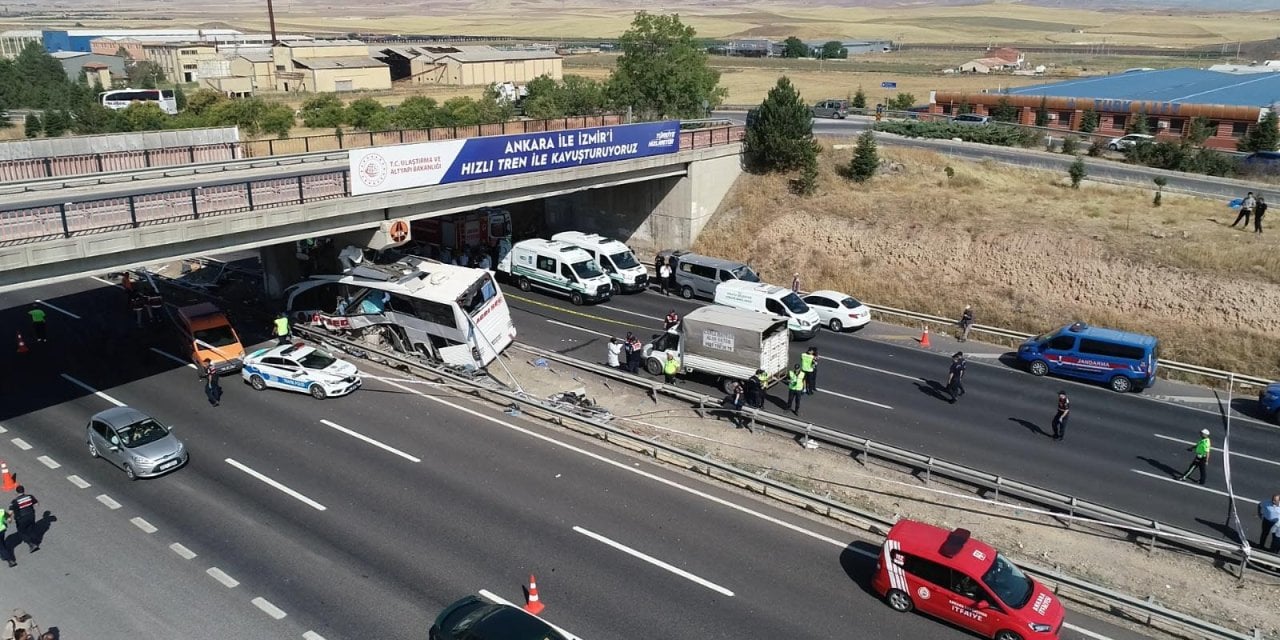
(137, 160)
(97, 215)
(1070, 506)
(1172, 365)
(1147, 611)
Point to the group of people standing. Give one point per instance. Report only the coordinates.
(1251, 205)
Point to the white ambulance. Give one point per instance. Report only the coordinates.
(612, 256)
(761, 297)
(558, 267)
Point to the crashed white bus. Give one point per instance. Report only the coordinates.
(446, 313)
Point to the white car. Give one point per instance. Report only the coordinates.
(1128, 142)
(838, 311)
(298, 367)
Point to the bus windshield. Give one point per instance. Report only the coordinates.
(479, 293)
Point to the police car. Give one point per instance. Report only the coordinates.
(298, 367)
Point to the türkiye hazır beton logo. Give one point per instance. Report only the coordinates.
(372, 170)
(663, 139)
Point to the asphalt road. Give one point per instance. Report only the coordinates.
(1037, 159)
(369, 535)
(1121, 450)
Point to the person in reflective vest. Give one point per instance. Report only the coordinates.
(672, 322)
(281, 329)
(670, 367)
(795, 388)
(809, 365)
(1202, 448)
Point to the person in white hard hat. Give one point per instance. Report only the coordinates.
(1202, 448)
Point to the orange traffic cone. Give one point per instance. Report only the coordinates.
(924, 337)
(22, 346)
(531, 604)
(10, 479)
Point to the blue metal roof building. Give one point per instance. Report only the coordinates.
(1176, 86)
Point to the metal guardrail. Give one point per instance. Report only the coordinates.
(1136, 607)
(1173, 365)
(83, 164)
(97, 215)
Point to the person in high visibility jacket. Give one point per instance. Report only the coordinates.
(1202, 448)
(763, 379)
(670, 367)
(281, 328)
(809, 365)
(795, 388)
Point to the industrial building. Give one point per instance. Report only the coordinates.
(187, 62)
(13, 42)
(467, 65)
(1169, 99)
(80, 39)
(77, 63)
(328, 65)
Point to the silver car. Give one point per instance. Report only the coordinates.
(135, 442)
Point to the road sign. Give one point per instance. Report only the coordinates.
(888, 85)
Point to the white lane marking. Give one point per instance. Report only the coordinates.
(182, 551)
(577, 328)
(360, 436)
(623, 466)
(57, 308)
(869, 368)
(1233, 453)
(221, 576)
(1085, 632)
(311, 635)
(48, 462)
(495, 598)
(268, 608)
(173, 357)
(92, 390)
(841, 395)
(143, 524)
(1158, 476)
(1198, 399)
(634, 313)
(983, 356)
(654, 561)
(3, 430)
(78, 481)
(301, 498)
(21, 444)
(111, 504)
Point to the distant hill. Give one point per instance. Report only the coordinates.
(1181, 5)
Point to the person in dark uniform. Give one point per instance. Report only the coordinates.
(1259, 208)
(23, 512)
(212, 388)
(1060, 418)
(955, 377)
(674, 263)
(671, 321)
(736, 400)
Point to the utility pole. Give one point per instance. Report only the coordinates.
(271, 21)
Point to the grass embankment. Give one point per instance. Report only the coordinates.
(1025, 249)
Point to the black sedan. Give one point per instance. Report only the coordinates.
(473, 618)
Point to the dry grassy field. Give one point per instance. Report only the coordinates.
(990, 22)
(1026, 250)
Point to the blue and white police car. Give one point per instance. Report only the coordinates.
(298, 367)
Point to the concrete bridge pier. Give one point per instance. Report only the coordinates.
(280, 268)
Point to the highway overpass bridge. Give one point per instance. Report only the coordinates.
(109, 222)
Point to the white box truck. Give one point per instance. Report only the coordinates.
(727, 344)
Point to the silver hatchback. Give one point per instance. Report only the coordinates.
(135, 442)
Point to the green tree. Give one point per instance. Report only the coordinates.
(1004, 111)
(92, 118)
(244, 113)
(544, 99)
(56, 123)
(33, 126)
(368, 114)
(277, 120)
(180, 97)
(794, 47)
(859, 100)
(663, 70)
(780, 136)
(145, 74)
(416, 112)
(141, 116)
(583, 96)
(1160, 181)
(492, 107)
(324, 111)
(1139, 124)
(902, 102)
(807, 183)
(203, 101)
(1264, 136)
(1042, 113)
(1089, 121)
(1077, 172)
(1070, 145)
(866, 160)
(833, 50)
(1200, 130)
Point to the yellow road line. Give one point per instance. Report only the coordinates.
(571, 311)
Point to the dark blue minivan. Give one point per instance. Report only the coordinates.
(1124, 361)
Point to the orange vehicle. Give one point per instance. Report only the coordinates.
(209, 335)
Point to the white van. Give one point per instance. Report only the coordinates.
(772, 299)
(556, 266)
(614, 258)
